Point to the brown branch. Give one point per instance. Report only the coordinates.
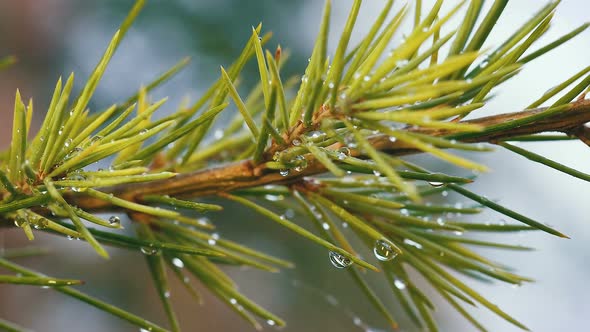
(245, 174)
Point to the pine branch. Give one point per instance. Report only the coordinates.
(245, 174)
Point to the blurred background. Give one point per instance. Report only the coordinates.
(55, 37)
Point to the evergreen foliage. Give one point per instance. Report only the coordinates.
(328, 144)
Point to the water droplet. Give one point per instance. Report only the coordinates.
(143, 131)
(41, 223)
(274, 198)
(213, 239)
(315, 134)
(68, 142)
(331, 85)
(404, 212)
(304, 78)
(149, 250)
(271, 322)
(95, 139)
(383, 251)
(284, 172)
(218, 134)
(167, 294)
(440, 221)
(114, 220)
(339, 261)
(61, 130)
(203, 221)
(435, 184)
(289, 213)
(233, 301)
(325, 226)
(376, 172)
(296, 142)
(343, 152)
(301, 163)
(402, 63)
(20, 221)
(413, 243)
(177, 262)
(357, 321)
(344, 225)
(400, 284)
(445, 193)
(459, 233)
(366, 78)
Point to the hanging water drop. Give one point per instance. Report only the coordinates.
(68, 142)
(284, 172)
(271, 322)
(435, 184)
(143, 131)
(383, 251)
(325, 226)
(114, 220)
(339, 261)
(400, 284)
(177, 262)
(376, 172)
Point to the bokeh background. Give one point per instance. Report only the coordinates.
(55, 37)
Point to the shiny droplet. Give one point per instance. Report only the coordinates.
(149, 250)
(177, 262)
(296, 142)
(339, 261)
(343, 152)
(284, 172)
(271, 322)
(19, 221)
(413, 243)
(383, 251)
(213, 239)
(400, 284)
(301, 163)
(114, 220)
(436, 184)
